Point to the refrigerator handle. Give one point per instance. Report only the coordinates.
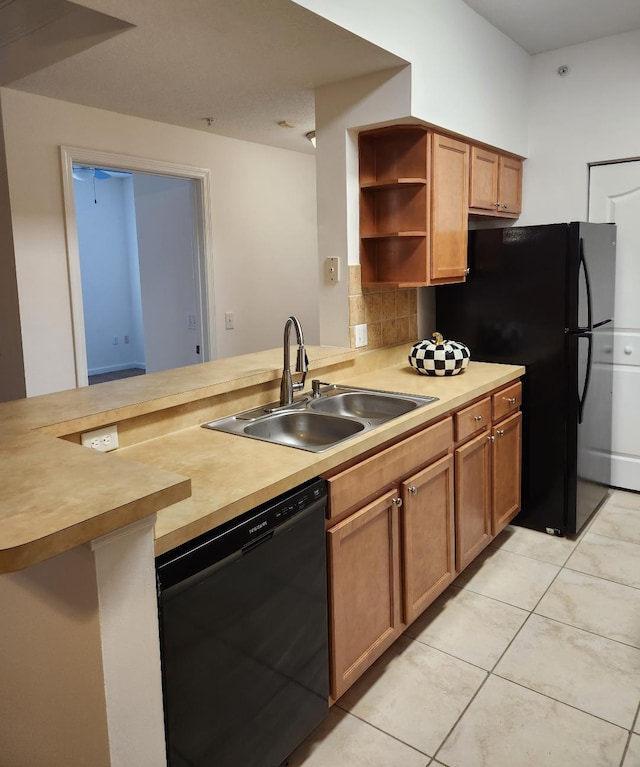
(587, 282)
(582, 398)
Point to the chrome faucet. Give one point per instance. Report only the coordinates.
(287, 386)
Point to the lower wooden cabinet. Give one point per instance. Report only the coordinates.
(427, 536)
(405, 521)
(473, 499)
(364, 588)
(506, 471)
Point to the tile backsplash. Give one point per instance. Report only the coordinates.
(391, 314)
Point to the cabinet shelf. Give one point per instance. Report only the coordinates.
(391, 235)
(394, 284)
(395, 182)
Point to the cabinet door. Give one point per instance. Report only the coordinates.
(473, 499)
(427, 536)
(364, 589)
(449, 209)
(510, 185)
(483, 186)
(507, 446)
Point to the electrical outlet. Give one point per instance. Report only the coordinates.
(191, 321)
(361, 335)
(126, 339)
(228, 320)
(104, 440)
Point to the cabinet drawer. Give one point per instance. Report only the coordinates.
(472, 419)
(353, 487)
(506, 401)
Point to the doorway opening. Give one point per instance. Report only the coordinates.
(139, 265)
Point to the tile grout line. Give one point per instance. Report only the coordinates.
(630, 735)
(379, 729)
(564, 703)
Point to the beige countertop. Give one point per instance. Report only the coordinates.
(55, 494)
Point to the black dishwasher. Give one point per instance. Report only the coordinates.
(243, 632)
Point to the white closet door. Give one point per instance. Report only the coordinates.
(614, 196)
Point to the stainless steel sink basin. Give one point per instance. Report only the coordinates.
(362, 404)
(304, 429)
(321, 421)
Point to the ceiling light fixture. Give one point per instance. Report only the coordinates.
(312, 137)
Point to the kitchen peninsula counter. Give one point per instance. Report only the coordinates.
(56, 495)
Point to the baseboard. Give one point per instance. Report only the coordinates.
(116, 368)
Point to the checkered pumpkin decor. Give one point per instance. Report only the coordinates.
(439, 357)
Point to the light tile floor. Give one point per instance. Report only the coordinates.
(532, 658)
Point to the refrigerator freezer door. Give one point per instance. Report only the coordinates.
(591, 275)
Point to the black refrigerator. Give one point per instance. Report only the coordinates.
(543, 297)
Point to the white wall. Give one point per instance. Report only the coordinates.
(467, 77)
(12, 385)
(52, 707)
(590, 115)
(452, 53)
(166, 226)
(371, 99)
(263, 221)
(131, 233)
(106, 265)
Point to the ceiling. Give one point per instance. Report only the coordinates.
(544, 25)
(245, 64)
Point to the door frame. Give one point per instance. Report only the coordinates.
(71, 156)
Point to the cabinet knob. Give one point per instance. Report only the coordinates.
(511, 400)
(467, 270)
(413, 490)
(504, 207)
(496, 204)
(490, 437)
(500, 432)
(397, 502)
(477, 418)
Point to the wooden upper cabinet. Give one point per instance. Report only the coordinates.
(510, 185)
(483, 182)
(495, 186)
(413, 207)
(449, 214)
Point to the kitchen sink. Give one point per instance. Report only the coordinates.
(317, 422)
(372, 406)
(304, 429)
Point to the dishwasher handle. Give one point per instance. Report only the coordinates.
(257, 542)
